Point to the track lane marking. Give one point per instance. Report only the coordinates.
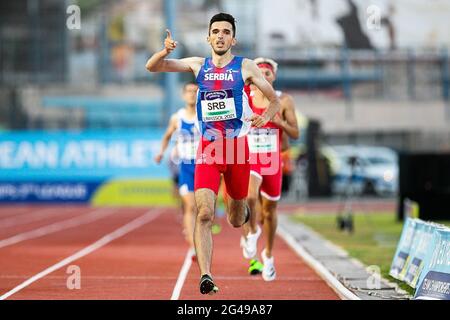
(38, 215)
(127, 228)
(182, 275)
(57, 226)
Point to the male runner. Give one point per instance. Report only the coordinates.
(266, 144)
(224, 119)
(182, 123)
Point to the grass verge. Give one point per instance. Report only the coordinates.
(373, 241)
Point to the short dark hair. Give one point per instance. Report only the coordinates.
(223, 17)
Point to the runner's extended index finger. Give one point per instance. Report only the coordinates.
(169, 34)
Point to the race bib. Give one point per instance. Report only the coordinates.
(187, 147)
(263, 140)
(217, 105)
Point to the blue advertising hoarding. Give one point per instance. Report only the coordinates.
(434, 281)
(403, 248)
(75, 166)
(419, 249)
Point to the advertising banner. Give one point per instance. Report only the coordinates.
(403, 248)
(419, 249)
(434, 281)
(93, 167)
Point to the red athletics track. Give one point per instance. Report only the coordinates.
(131, 253)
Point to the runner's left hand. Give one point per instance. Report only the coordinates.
(258, 120)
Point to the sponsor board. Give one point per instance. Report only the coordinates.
(134, 192)
(94, 167)
(403, 248)
(120, 192)
(43, 156)
(434, 281)
(418, 252)
(33, 191)
(411, 208)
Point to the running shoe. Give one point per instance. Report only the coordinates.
(207, 285)
(268, 273)
(249, 244)
(255, 268)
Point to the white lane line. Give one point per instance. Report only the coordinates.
(318, 267)
(127, 228)
(183, 274)
(33, 216)
(57, 226)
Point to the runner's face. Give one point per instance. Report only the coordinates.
(190, 94)
(268, 74)
(221, 37)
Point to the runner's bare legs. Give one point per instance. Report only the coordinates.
(270, 223)
(205, 199)
(252, 200)
(189, 217)
(237, 212)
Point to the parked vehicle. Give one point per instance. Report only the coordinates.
(364, 170)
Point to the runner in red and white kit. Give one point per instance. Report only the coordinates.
(266, 144)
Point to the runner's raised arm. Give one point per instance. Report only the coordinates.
(158, 63)
(252, 73)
